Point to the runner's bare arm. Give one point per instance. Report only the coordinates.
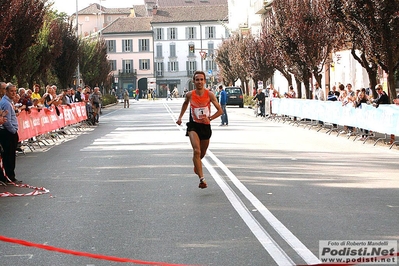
(184, 107)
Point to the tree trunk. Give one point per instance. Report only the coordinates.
(370, 67)
(391, 85)
(299, 88)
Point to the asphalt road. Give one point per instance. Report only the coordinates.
(126, 189)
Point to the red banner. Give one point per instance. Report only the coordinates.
(42, 121)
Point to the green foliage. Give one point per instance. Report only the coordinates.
(25, 19)
(66, 64)
(93, 62)
(108, 99)
(39, 45)
(248, 100)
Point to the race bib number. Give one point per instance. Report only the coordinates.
(201, 112)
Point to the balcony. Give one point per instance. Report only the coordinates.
(262, 6)
(127, 74)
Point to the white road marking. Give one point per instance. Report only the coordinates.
(275, 251)
(283, 231)
(260, 233)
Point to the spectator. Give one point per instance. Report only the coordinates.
(24, 99)
(78, 94)
(3, 86)
(168, 96)
(137, 94)
(291, 93)
(175, 93)
(9, 132)
(85, 99)
(95, 100)
(72, 93)
(260, 98)
(36, 92)
(382, 97)
(273, 93)
(65, 99)
(318, 93)
(333, 94)
(126, 99)
(223, 103)
(36, 104)
(351, 93)
(361, 98)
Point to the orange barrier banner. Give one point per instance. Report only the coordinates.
(37, 122)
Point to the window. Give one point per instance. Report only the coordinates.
(172, 33)
(191, 68)
(173, 66)
(191, 33)
(144, 45)
(144, 64)
(112, 64)
(158, 34)
(211, 50)
(127, 66)
(159, 69)
(210, 65)
(172, 48)
(227, 33)
(191, 49)
(127, 46)
(111, 46)
(87, 18)
(159, 51)
(209, 32)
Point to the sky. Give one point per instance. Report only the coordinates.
(69, 6)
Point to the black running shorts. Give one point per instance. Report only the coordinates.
(203, 131)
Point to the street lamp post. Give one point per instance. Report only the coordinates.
(77, 35)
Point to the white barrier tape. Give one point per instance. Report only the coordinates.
(36, 190)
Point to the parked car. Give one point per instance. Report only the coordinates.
(234, 96)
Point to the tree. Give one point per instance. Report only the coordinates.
(25, 21)
(239, 59)
(41, 56)
(305, 35)
(260, 64)
(66, 64)
(94, 65)
(224, 63)
(376, 22)
(270, 40)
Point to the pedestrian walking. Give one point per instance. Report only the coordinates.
(199, 127)
(223, 103)
(126, 102)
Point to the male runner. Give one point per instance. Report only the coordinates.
(199, 128)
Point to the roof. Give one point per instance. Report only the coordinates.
(139, 10)
(129, 25)
(166, 3)
(190, 13)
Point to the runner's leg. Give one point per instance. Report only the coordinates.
(196, 144)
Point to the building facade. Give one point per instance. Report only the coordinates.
(186, 39)
(130, 50)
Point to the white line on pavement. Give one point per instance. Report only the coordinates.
(260, 233)
(283, 231)
(275, 251)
